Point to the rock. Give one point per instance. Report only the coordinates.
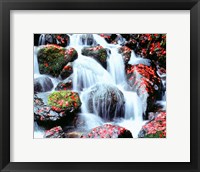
(87, 39)
(97, 52)
(36, 39)
(42, 84)
(66, 71)
(46, 117)
(108, 131)
(126, 53)
(55, 132)
(67, 101)
(65, 85)
(104, 100)
(145, 81)
(62, 39)
(73, 134)
(155, 128)
(110, 38)
(53, 58)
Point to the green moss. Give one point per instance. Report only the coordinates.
(158, 134)
(64, 100)
(53, 58)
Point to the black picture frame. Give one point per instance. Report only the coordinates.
(7, 5)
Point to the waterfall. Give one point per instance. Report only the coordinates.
(134, 60)
(87, 73)
(42, 39)
(116, 67)
(36, 66)
(133, 106)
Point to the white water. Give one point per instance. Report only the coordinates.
(36, 66)
(87, 72)
(116, 67)
(134, 60)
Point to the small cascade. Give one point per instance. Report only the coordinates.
(133, 106)
(116, 67)
(42, 39)
(38, 131)
(91, 121)
(87, 72)
(134, 60)
(36, 66)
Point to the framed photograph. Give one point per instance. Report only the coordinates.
(102, 86)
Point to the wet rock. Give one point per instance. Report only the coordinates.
(97, 52)
(155, 128)
(108, 131)
(46, 117)
(53, 58)
(66, 71)
(145, 81)
(36, 39)
(65, 85)
(107, 101)
(42, 84)
(62, 39)
(67, 101)
(55, 132)
(126, 53)
(73, 134)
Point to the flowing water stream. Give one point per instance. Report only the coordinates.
(87, 72)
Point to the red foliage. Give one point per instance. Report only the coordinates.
(105, 131)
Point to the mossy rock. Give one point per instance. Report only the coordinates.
(64, 101)
(53, 58)
(97, 52)
(155, 128)
(108, 131)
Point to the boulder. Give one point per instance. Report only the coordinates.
(55, 132)
(62, 39)
(67, 101)
(108, 131)
(42, 84)
(155, 128)
(106, 101)
(65, 84)
(46, 117)
(53, 58)
(97, 52)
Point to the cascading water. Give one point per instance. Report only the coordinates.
(116, 67)
(134, 60)
(87, 72)
(36, 66)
